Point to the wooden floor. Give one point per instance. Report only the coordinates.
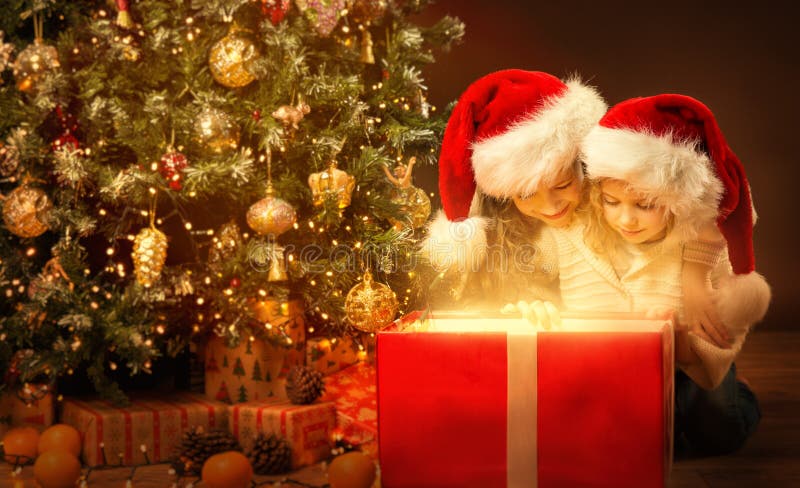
(770, 362)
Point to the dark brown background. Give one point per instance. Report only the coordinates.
(741, 61)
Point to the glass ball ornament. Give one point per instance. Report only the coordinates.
(322, 14)
(271, 215)
(370, 306)
(366, 11)
(216, 131)
(32, 63)
(230, 58)
(26, 211)
(416, 207)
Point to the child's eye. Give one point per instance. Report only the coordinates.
(564, 186)
(646, 206)
(609, 202)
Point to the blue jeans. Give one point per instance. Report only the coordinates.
(713, 422)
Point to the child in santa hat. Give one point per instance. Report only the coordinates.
(659, 169)
(508, 169)
(513, 134)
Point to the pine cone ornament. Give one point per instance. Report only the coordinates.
(197, 446)
(304, 385)
(270, 455)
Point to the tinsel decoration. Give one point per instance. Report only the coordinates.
(35, 60)
(414, 201)
(149, 255)
(290, 116)
(216, 131)
(270, 454)
(323, 14)
(9, 160)
(6, 49)
(230, 58)
(332, 183)
(197, 446)
(26, 211)
(304, 385)
(370, 306)
(271, 215)
(225, 245)
(274, 10)
(171, 167)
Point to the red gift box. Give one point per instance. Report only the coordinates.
(31, 406)
(114, 435)
(353, 390)
(492, 402)
(308, 428)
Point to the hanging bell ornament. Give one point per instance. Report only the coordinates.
(149, 255)
(277, 266)
(332, 183)
(216, 131)
(230, 59)
(26, 211)
(271, 215)
(370, 306)
(32, 63)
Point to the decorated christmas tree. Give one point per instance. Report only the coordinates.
(166, 163)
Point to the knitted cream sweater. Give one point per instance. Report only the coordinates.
(589, 282)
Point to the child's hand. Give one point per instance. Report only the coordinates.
(702, 319)
(541, 314)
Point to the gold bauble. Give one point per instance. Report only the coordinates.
(370, 306)
(26, 211)
(271, 215)
(416, 207)
(332, 183)
(230, 59)
(149, 255)
(32, 63)
(216, 131)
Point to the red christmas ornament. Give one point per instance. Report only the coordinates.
(256, 115)
(171, 168)
(275, 10)
(236, 283)
(69, 125)
(385, 74)
(66, 141)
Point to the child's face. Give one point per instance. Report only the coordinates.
(553, 204)
(630, 214)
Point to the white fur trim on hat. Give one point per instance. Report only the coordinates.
(455, 245)
(675, 175)
(539, 147)
(742, 301)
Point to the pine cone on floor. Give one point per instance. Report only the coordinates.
(197, 446)
(270, 455)
(304, 385)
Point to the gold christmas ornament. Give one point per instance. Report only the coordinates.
(26, 211)
(226, 244)
(271, 215)
(291, 116)
(277, 266)
(332, 183)
(365, 11)
(367, 55)
(216, 131)
(414, 201)
(230, 59)
(370, 306)
(149, 255)
(32, 63)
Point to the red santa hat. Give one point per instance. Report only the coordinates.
(671, 148)
(510, 131)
